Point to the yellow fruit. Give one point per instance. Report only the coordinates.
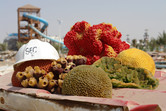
(137, 58)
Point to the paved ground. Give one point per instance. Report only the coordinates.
(6, 66)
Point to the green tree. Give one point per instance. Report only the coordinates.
(19, 44)
(60, 48)
(152, 44)
(140, 45)
(161, 40)
(134, 43)
(3, 46)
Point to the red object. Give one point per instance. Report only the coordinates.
(150, 107)
(109, 51)
(92, 59)
(94, 41)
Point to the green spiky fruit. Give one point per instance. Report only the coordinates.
(86, 80)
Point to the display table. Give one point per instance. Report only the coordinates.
(124, 99)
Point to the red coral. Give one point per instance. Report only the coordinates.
(94, 41)
(80, 27)
(92, 59)
(74, 43)
(109, 51)
(121, 46)
(72, 37)
(103, 26)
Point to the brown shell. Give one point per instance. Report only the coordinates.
(43, 64)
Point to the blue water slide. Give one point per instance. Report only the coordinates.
(42, 29)
(37, 19)
(43, 35)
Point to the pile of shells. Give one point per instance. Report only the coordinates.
(52, 81)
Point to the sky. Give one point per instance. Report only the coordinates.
(130, 17)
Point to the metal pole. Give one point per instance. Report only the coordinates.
(59, 22)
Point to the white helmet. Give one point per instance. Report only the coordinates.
(36, 50)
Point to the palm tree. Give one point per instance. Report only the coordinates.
(134, 43)
(152, 44)
(162, 40)
(140, 46)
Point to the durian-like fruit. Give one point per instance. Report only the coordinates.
(86, 80)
